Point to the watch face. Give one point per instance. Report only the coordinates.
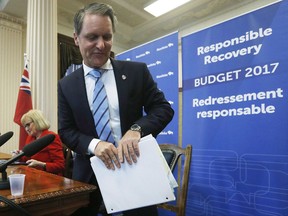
(136, 127)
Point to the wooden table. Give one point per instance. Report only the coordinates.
(46, 193)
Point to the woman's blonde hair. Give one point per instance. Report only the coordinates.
(37, 117)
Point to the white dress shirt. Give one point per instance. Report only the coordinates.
(109, 82)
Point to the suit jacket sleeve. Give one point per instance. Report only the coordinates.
(75, 121)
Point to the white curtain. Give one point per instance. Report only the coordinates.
(11, 69)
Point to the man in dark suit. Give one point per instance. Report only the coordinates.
(130, 90)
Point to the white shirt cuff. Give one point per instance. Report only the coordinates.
(94, 142)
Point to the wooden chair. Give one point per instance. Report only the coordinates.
(172, 154)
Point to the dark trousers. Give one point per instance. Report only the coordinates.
(96, 207)
(145, 211)
(94, 210)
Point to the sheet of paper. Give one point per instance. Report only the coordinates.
(132, 186)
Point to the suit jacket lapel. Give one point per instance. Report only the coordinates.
(121, 78)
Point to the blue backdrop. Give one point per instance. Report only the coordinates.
(235, 114)
(161, 57)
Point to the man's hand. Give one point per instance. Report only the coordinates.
(108, 153)
(128, 147)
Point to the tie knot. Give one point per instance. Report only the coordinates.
(95, 73)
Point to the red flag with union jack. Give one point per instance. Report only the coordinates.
(24, 104)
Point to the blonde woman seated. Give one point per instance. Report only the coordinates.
(51, 158)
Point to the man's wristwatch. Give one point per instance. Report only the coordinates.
(136, 127)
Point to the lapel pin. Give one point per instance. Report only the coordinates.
(124, 77)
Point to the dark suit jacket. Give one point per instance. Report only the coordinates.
(136, 91)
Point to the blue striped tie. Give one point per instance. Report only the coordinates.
(100, 108)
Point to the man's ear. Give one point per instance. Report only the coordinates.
(76, 39)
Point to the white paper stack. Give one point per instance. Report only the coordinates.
(148, 182)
